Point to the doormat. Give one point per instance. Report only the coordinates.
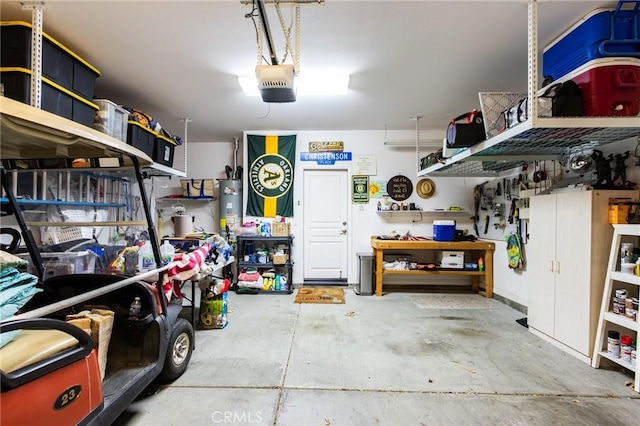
(325, 295)
(451, 301)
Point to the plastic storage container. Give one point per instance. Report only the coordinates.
(54, 98)
(601, 33)
(59, 64)
(610, 86)
(111, 119)
(79, 262)
(141, 137)
(163, 150)
(444, 230)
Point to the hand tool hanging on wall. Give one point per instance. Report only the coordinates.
(486, 223)
(512, 210)
(477, 198)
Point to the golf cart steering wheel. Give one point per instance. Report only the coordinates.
(15, 240)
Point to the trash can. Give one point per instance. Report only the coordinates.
(365, 274)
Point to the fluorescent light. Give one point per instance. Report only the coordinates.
(408, 143)
(306, 85)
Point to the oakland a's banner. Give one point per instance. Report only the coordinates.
(271, 160)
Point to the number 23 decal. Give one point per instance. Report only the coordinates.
(67, 397)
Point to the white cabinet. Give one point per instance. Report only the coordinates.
(567, 251)
(609, 319)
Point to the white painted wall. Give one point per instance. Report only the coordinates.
(205, 160)
(208, 159)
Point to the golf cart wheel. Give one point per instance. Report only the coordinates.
(179, 351)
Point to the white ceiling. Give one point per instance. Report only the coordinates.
(175, 59)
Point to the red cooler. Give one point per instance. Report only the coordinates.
(610, 86)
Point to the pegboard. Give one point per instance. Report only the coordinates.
(501, 197)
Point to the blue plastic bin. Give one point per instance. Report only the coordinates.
(601, 33)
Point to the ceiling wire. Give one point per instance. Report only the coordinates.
(268, 112)
(258, 29)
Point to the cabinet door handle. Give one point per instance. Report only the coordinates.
(557, 267)
(551, 266)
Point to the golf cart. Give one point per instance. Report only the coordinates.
(52, 371)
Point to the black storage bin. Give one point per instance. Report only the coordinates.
(17, 85)
(141, 137)
(59, 64)
(163, 151)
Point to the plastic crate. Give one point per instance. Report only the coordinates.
(141, 137)
(54, 98)
(111, 119)
(79, 262)
(163, 150)
(61, 65)
(600, 33)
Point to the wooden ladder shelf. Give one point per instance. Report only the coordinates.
(612, 321)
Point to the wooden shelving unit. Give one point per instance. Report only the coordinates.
(608, 319)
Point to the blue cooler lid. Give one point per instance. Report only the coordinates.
(444, 222)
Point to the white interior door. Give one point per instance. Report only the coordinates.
(326, 201)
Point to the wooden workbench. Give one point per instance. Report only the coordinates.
(379, 247)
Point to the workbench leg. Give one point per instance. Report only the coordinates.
(488, 273)
(475, 283)
(378, 253)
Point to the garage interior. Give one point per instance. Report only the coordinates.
(521, 351)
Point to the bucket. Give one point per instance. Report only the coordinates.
(182, 225)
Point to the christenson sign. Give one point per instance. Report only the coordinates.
(271, 160)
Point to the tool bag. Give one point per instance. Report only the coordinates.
(559, 100)
(466, 130)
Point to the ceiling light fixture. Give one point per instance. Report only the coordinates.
(410, 143)
(305, 85)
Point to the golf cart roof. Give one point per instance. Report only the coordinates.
(28, 132)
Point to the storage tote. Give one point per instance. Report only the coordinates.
(197, 187)
(601, 33)
(163, 150)
(59, 64)
(54, 98)
(141, 137)
(111, 119)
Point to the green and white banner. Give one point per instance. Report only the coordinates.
(271, 160)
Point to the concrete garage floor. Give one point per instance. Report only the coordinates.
(381, 361)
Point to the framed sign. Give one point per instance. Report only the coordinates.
(360, 189)
(365, 165)
(399, 188)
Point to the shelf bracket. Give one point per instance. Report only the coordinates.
(37, 12)
(532, 60)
